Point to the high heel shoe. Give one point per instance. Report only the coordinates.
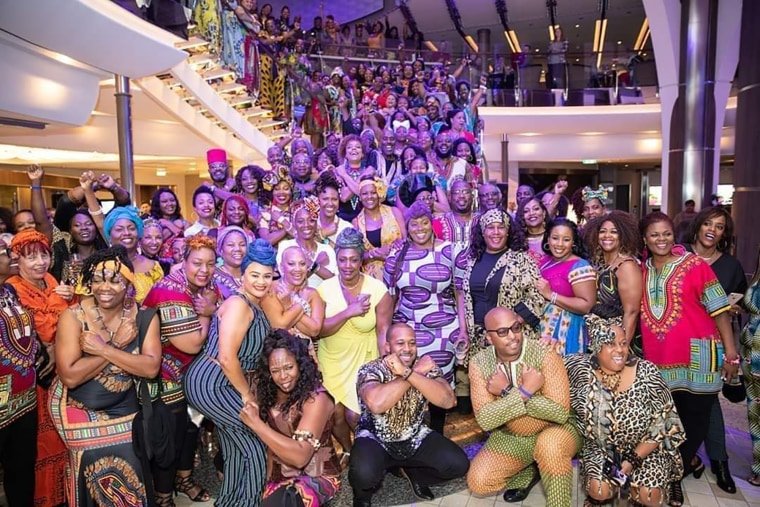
(676, 494)
(699, 469)
(723, 476)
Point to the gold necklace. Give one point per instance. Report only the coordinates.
(610, 381)
(349, 289)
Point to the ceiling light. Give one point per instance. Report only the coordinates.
(471, 42)
(551, 32)
(641, 39)
(432, 47)
(619, 42)
(160, 171)
(577, 26)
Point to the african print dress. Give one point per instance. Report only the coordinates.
(563, 326)
(388, 234)
(749, 347)
(614, 423)
(422, 280)
(95, 423)
(678, 329)
(209, 391)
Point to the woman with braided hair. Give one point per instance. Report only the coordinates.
(627, 417)
(293, 416)
(94, 401)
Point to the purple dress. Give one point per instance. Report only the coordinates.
(423, 286)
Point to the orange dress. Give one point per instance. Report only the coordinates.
(49, 470)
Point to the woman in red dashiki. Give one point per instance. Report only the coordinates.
(686, 332)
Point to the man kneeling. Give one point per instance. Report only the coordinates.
(391, 433)
(520, 393)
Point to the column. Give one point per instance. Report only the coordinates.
(747, 146)
(124, 132)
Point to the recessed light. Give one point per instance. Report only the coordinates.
(537, 50)
(577, 26)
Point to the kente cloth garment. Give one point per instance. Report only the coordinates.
(677, 323)
(95, 422)
(749, 348)
(172, 297)
(46, 308)
(353, 345)
(614, 423)
(18, 351)
(144, 281)
(402, 428)
(510, 280)
(209, 391)
(318, 481)
(423, 285)
(538, 430)
(389, 233)
(564, 326)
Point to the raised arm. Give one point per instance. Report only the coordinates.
(39, 209)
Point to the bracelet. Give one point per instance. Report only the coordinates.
(96, 212)
(553, 299)
(35, 187)
(506, 391)
(734, 362)
(407, 373)
(525, 392)
(634, 459)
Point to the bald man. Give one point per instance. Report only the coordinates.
(520, 393)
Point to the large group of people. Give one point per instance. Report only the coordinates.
(318, 324)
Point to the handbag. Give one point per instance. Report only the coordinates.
(735, 392)
(153, 426)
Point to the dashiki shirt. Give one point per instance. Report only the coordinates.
(172, 298)
(447, 228)
(18, 350)
(400, 430)
(677, 322)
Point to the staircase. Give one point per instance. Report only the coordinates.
(207, 96)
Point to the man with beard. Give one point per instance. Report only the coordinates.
(301, 173)
(446, 165)
(393, 392)
(489, 197)
(388, 163)
(521, 395)
(454, 226)
(219, 172)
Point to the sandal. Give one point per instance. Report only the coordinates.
(754, 480)
(164, 500)
(345, 459)
(676, 494)
(185, 485)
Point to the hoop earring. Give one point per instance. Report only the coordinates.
(545, 246)
(129, 299)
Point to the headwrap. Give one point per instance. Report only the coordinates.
(130, 213)
(600, 331)
(400, 123)
(589, 193)
(309, 203)
(112, 265)
(226, 231)
(417, 210)
(260, 252)
(273, 178)
(233, 198)
(350, 238)
(493, 216)
(412, 185)
(337, 70)
(28, 237)
(380, 186)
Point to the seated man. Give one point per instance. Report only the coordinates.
(393, 392)
(520, 393)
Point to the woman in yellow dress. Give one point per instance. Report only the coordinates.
(353, 332)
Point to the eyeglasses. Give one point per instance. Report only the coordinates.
(5, 251)
(515, 329)
(461, 191)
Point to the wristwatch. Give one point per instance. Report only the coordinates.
(407, 373)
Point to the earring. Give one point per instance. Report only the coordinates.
(129, 299)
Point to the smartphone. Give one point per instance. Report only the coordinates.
(735, 297)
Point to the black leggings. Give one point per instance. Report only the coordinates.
(185, 443)
(694, 411)
(18, 452)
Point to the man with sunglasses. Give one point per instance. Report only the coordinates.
(520, 393)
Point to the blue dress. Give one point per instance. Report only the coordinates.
(210, 392)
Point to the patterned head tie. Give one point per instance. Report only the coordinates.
(273, 178)
(108, 269)
(380, 186)
(493, 216)
(600, 331)
(23, 240)
(310, 204)
(589, 193)
(350, 238)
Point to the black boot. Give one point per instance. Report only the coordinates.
(723, 476)
(362, 502)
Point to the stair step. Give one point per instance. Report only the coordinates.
(201, 59)
(229, 87)
(191, 43)
(267, 124)
(217, 73)
(254, 111)
(278, 135)
(239, 100)
(171, 83)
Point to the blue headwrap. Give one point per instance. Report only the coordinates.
(129, 212)
(260, 252)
